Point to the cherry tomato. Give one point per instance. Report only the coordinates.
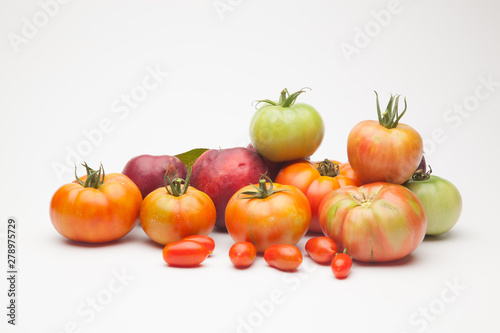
(185, 253)
(208, 242)
(341, 265)
(96, 208)
(242, 254)
(285, 257)
(321, 249)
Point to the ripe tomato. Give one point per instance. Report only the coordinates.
(285, 130)
(171, 213)
(185, 253)
(96, 208)
(285, 257)
(242, 254)
(208, 242)
(270, 214)
(321, 249)
(341, 265)
(384, 150)
(441, 200)
(315, 180)
(377, 222)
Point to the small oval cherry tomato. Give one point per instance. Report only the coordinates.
(341, 265)
(208, 242)
(242, 254)
(285, 257)
(185, 253)
(321, 249)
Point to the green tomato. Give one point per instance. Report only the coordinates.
(441, 200)
(285, 130)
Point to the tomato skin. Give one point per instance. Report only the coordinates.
(283, 217)
(86, 214)
(166, 218)
(321, 249)
(242, 254)
(208, 242)
(377, 222)
(378, 154)
(285, 257)
(185, 253)
(441, 200)
(341, 265)
(304, 175)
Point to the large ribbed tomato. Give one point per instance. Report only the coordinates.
(375, 222)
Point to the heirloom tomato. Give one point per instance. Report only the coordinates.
(376, 222)
(285, 130)
(175, 211)
(315, 181)
(267, 214)
(96, 208)
(384, 150)
(441, 200)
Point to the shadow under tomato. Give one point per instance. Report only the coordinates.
(443, 237)
(407, 260)
(184, 267)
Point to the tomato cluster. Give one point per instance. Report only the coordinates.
(376, 207)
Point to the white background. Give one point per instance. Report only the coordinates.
(69, 73)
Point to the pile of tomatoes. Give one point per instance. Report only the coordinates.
(377, 207)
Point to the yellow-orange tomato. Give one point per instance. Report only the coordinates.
(96, 208)
(315, 180)
(275, 214)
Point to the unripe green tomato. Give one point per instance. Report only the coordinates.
(441, 200)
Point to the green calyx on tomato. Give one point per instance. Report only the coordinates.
(263, 191)
(390, 118)
(286, 99)
(420, 175)
(178, 186)
(95, 178)
(328, 168)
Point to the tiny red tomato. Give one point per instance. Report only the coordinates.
(208, 242)
(185, 253)
(242, 254)
(285, 257)
(341, 265)
(321, 249)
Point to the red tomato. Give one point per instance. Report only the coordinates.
(341, 265)
(315, 180)
(274, 214)
(377, 222)
(242, 254)
(171, 213)
(96, 208)
(208, 242)
(185, 253)
(384, 150)
(285, 257)
(321, 249)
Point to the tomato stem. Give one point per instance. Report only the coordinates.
(328, 168)
(95, 178)
(177, 186)
(390, 118)
(286, 99)
(262, 191)
(421, 175)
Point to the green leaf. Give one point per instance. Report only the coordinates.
(189, 157)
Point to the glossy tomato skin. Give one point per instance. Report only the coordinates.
(285, 257)
(242, 254)
(441, 200)
(341, 265)
(282, 134)
(378, 154)
(321, 249)
(376, 222)
(208, 242)
(86, 214)
(305, 176)
(166, 218)
(185, 253)
(283, 217)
